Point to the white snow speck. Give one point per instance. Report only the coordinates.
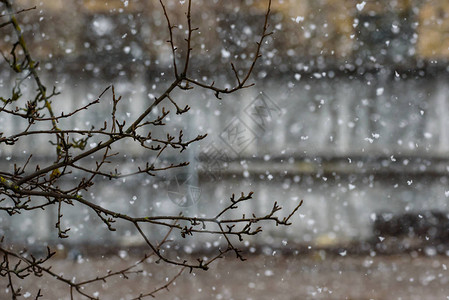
(102, 26)
(360, 5)
(395, 28)
(379, 91)
(225, 53)
(123, 254)
(298, 19)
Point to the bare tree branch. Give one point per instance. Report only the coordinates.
(74, 169)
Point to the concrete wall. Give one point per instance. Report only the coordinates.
(350, 146)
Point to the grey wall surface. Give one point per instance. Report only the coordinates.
(349, 146)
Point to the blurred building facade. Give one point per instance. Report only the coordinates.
(349, 113)
(395, 32)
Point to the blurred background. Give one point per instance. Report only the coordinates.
(348, 112)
